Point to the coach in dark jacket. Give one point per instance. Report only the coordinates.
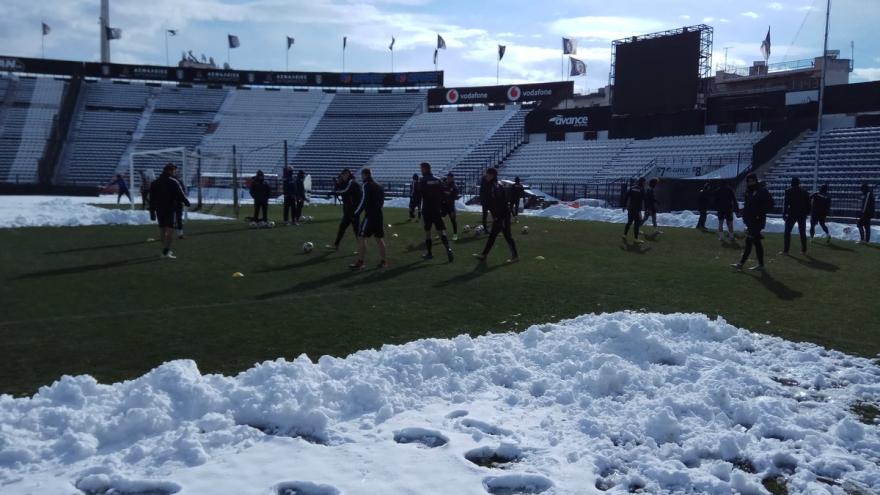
(867, 210)
(499, 204)
(288, 189)
(758, 203)
(261, 192)
(795, 208)
(350, 192)
(166, 193)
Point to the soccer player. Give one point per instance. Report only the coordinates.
(178, 207)
(121, 188)
(726, 206)
(299, 196)
(758, 203)
(499, 204)
(450, 196)
(260, 191)
(633, 203)
(165, 193)
(651, 204)
(517, 192)
(485, 198)
(414, 198)
(865, 214)
(820, 206)
(348, 189)
(431, 196)
(373, 224)
(795, 207)
(288, 186)
(703, 199)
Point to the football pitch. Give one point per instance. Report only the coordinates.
(98, 300)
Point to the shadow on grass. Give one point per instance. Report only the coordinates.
(140, 243)
(734, 244)
(386, 274)
(777, 287)
(309, 285)
(88, 268)
(312, 260)
(634, 247)
(815, 264)
(481, 269)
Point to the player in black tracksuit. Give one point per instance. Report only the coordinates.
(414, 198)
(178, 210)
(372, 224)
(795, 207)
(260, 191)
(820, 206)
(299, 195)
(651, 204)
(758, 203)
(447, 207)
(633, 203)
(348, 189)
(866, 213)
(725, 206)
(288, 185)
(485, 198)
(703, 199)
(165, 194)
(517, 192)
(431, 198)
(499, 205)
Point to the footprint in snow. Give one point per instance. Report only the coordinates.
(103, 484)
(304, 488)
(485, 427)
(512, 484)
(424, 436)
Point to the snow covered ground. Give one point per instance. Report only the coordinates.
(616, 402)
(586, 210)
(72, 211)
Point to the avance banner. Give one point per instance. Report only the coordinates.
(570, 120)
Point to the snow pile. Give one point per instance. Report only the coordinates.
(616, 402)
(43, 211)
(686, 219)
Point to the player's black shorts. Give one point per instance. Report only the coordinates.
(433, 219)
(447, 211)
(725, 216)
(166, 218)
(372, 226)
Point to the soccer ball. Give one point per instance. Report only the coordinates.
(479, 230)
(525, 229)
(271, 225)
(467, 228)
(308, 247)
(253, 225)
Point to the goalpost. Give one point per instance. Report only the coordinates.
(209, 178)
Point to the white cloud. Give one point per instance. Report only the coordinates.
(775, 6)
(805, 8)
(724, 20)
(753, 15)
(867, 74)
(605, 28)
(684, 17)
(708, 19)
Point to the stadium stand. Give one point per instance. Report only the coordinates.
(354, 128)
(442, 138)
(29, 107)
(257, 122)
(848, 157)
(558, 161)
(494, 150)
(103, 130)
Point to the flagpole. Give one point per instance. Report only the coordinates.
(821, 97)
(392, 60)
(287, 56)
(498, 72)
(43, 41)
(167, 61)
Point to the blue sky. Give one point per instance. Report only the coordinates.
(531, 30)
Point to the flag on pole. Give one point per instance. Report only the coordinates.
(172, 32)
(344, 42)
(233, 41)
(435, 55)
(391, 46)
(501, 50)
(46, 29)
(114, 33)
(290, 42)
(569, 46)
(441, 43)
(765, 46)
(577, 67)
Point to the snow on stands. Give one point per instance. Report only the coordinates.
(612, 403)
(55, 211)
(592, 210)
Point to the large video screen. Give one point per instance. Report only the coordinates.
(659, 75)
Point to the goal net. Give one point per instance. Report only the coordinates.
(209, 179)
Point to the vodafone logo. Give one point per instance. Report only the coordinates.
(452, 96)
(514, 93)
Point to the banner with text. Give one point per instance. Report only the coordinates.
(568, 120)
(515, 93)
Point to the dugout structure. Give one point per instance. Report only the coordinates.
(661, 73)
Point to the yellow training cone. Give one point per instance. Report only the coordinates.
(539, 258)
(237, 275)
